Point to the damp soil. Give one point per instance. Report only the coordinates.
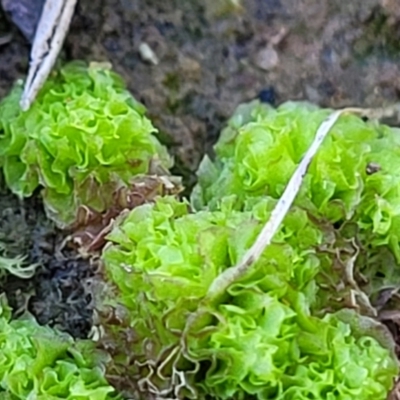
(56, 293)
(211, 57)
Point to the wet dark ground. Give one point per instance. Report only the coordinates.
(211, 58)
(55, 294)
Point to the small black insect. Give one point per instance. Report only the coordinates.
(372, 168)
(268, 95)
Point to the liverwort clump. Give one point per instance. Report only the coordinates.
(83, 139)
(288, 329)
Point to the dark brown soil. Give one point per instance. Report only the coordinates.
(55, 294)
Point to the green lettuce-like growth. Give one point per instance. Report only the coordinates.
(353, 182)
(379, 210)
(355, 176)
(84, 138)
(37, 362)
(259, 338)
(261, 147)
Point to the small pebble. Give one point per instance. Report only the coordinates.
(267, 59)
(147, 54)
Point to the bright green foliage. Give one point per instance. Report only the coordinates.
(259, 338)
(82, 139)
(262, 350)
(39, 363)
(354, 181)
(379, 211)
(355, 174)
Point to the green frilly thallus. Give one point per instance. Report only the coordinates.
(83, 138)
(287, 329)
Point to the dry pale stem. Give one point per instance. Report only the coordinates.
(233, 274)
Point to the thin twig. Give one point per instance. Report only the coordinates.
(49, 37)
(232, 274)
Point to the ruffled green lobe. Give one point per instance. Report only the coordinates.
(259, 156)
(260, 337)
(38, 362)
(82, 139)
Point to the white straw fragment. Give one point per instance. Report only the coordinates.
(230, 275)
(49, 37)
